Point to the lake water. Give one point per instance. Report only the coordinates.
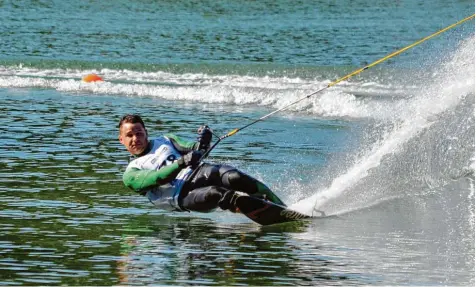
(388, 154)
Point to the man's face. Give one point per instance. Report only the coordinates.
(134, 137)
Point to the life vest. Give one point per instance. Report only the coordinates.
(163, 153)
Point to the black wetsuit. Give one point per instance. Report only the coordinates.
(157, 174)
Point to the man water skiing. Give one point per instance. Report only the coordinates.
(168, 171)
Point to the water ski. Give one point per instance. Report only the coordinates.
(265, 212)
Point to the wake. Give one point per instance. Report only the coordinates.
(451, 85)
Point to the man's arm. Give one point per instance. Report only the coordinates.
(140, 180)
(202, 143)
(182, 145)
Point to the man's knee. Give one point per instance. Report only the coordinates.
(237, 180)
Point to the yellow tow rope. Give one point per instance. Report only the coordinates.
(342, 79)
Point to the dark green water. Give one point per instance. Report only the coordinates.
(67, 219)
(390, 153)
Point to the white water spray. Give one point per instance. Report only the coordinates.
(453, 81)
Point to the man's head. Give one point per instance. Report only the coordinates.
(132, 134)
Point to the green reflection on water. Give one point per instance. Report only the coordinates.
(67, 219)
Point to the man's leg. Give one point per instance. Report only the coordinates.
(234, 179)
(204, 199)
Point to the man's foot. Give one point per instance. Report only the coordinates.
(228, 200)
(224, 202)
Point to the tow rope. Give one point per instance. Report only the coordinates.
(356, 72)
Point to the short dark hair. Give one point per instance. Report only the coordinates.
(131, 119)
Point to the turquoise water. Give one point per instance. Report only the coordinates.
(389, 154)
(316, 33)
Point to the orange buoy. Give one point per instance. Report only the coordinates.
(92, 78)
